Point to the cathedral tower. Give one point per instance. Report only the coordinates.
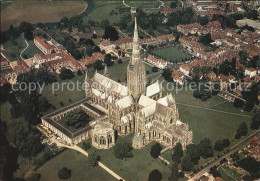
(136, 80)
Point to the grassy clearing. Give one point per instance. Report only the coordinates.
(172, 54)
(31, 50)
(136, 168)
(39, 11)
(103, 11)
(79, 165)
(13, 48)
(143, 4)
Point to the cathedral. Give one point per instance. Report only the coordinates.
(137, 107)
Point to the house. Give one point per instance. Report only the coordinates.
(157, 62)
(178, 77)
(42, 44)
(94, 57)
(185, 69)
(251, 72)
(106, 45)
(4, 63)
(133, 10)
(212, 75)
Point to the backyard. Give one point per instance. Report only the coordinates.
(172, 54)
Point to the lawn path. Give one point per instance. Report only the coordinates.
(213, 110)
(79, 149)
(217, 104)
(27, 45)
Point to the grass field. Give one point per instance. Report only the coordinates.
(102, 10)
(31, 50)
(13, 48)
(172, 54)
(39, 11)
(143, 4)
(137, 167)
(79, 165)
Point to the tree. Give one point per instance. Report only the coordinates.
(194, 151)
(242, 130)
(66, 73)
(214, 172)
(154, 69)
(76, 118)
(255, 121)
(156, 150)
(108, 61)
(7, 153)
(104, 23)
(225, 143)
(186, 163)
(64, 173)
(123, 150)
(250, 164)
(98, 65)
(96, 49)
(120, 61)
(93, 159)
(206, 148)
(26, 138)
(174, 172)
(206, 39)
(203, 20)
(86, 146)
(155, 175)
(173, 4)
(177, 153)
(111, 33)
(218, 146)
(238, 103)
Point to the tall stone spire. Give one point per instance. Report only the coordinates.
(136, 47)
(136, 78)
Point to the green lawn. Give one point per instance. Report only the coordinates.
(79, 165)
(14, 47)
(143, 4)
(136, 168)
(172, 54)
(31, 50)
(102, 10)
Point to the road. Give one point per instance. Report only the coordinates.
(209, 109)
(240, 145)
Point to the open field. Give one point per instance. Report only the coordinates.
(137, 167)
(172, 54)
(102, 10)
(40, 11)
(224, 175)
(77, 163)
(144, 4)
(13, 48)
